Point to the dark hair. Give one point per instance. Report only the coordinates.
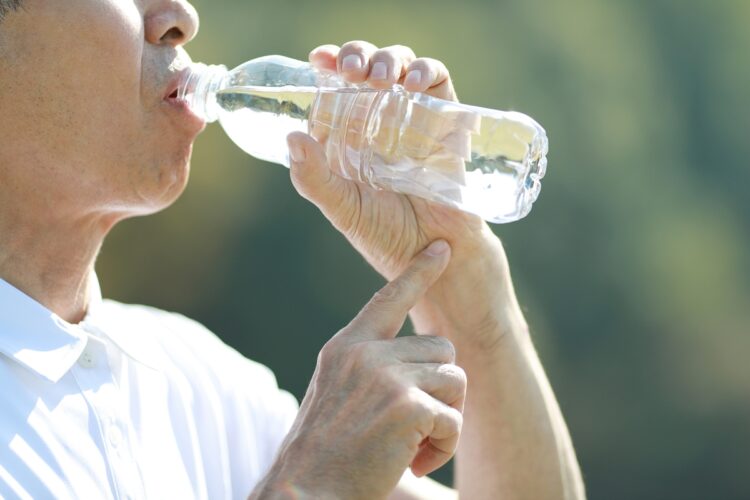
(8, 5)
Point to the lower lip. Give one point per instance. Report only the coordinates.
(187, 116)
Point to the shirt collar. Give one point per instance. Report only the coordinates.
(127, 329)
(36, 337)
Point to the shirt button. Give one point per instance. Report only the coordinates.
(87, 359)
(115, 436)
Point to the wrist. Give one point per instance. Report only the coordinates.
(473, 304)
(275, 487)
(277, 491)
(291, 479)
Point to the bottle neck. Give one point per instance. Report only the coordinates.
(199, 88)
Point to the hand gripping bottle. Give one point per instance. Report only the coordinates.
(479, 160)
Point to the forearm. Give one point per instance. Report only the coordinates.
(514, 442)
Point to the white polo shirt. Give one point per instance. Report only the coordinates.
(132, 402)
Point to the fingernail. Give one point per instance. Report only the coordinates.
(378, 71)
(413, 78)
(351, 62)
(437, 248)
(297, 153)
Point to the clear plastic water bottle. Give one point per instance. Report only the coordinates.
(480, 160)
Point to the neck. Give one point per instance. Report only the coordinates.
(49, 258)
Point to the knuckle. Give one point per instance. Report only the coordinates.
(458, 418)
(329, 353)
(455, 381)
(403, 51)
(415, 276)
(391, 379)
(398, 392)
(431, 62)
(450, 349)
(400, 407)
(419, 63)
(449, 419)
(324, 47)
(384, 55)
(361, 357)
(357, 46)
(460, 376)
(389, 293)
(407, 404)
(443, 346)
(454, 420)
(428, 65)
(356, 353)
(421, 412)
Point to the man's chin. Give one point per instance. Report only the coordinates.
(166, 187)
(177, 182)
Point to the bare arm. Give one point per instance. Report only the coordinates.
(514, 442)
(412, 487)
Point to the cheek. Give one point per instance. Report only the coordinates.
(105, 87)
(87, 69)
(89, 118)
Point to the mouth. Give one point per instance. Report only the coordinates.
(173, 91)
(177, 103)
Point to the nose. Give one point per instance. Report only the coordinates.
(171, 22)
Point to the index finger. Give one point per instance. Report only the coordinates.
(385, 313)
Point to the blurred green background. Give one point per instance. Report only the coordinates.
(632, 267)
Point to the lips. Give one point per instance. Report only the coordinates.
(173, 87)
(177, 106)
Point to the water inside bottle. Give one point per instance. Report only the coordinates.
(486, 162)
(258, 119)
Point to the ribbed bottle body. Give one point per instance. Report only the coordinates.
(479, 160)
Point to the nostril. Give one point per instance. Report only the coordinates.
(172, 33)
(173, 95)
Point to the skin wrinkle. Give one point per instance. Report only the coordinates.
(87, 147)
(512, 426)
(7, 6)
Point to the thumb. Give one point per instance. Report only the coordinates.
(383, 316)
(335, 196)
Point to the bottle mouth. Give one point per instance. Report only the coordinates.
(198, 87)
(186, 85)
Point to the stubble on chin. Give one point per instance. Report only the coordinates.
(159, 185)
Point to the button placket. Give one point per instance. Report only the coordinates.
(87, 359)
(96, 380)
(93, 354)
(114, 435)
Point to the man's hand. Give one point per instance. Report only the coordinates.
(389, 228)
(514, 443)
(376, 404)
